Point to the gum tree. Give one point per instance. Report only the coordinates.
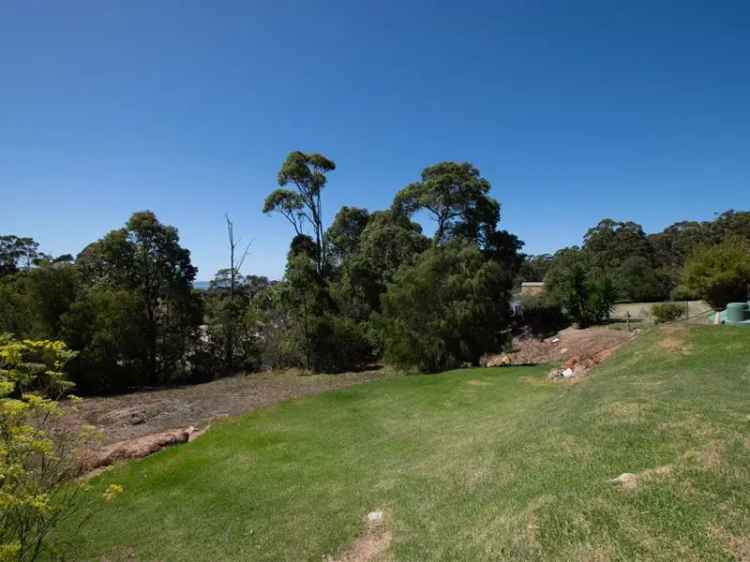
(307, 173)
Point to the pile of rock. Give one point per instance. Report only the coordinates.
(579, 365)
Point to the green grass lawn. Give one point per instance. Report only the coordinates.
(469, 465)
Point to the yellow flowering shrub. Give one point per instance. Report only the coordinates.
(34, 462)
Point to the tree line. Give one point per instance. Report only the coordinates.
(369, 287)
(619, 262)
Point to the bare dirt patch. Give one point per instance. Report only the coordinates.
(569, 344)
(629, 481)
(369, 546)
(577, 350)
(146, 421)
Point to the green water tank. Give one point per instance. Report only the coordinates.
(737, 312)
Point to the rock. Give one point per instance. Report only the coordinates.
(563, 351)
(624, 478)
(136, 448)
(194, 433)
(570, 363)
(568, 373)
(498, 360)
(375, 517)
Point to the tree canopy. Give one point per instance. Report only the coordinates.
(720, 273)
(307, 172)
(456, 197)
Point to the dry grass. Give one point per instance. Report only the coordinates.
(736, 546)
(371, 546)
(674, 340)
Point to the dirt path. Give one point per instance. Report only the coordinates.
(131, 416)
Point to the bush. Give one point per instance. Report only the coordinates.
(667, 312)
(34, 461)
(449, 308)
(542, 317)
(720, 274)
(338, 344)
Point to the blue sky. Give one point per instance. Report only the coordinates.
(574, 111)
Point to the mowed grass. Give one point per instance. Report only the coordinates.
(468, 465)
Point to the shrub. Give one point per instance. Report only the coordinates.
(34, 461)
(338, 344)
(667, 312)
(720, 274)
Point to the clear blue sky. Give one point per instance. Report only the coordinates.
(574, 111)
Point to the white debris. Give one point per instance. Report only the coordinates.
(567, 373)
(375, 516)
(624, 478)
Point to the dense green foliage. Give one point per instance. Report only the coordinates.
(540, 316)
(583, 292)
(645, 267)
(126, 306)
(448, 309)
(480, 465)
(720, 274)
(341, 303)
(138, 302)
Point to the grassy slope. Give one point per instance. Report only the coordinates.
(511, 468)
